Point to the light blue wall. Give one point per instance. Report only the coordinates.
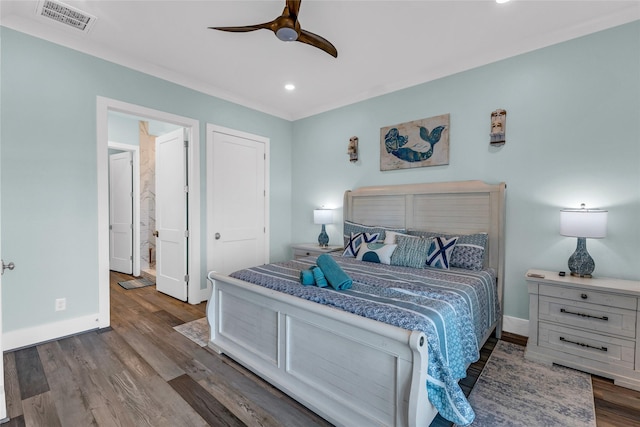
(49, 201)
(573, 136)
(123, 129)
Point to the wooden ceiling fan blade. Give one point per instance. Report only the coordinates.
(294, 7)
(245, 29)
(317, 41)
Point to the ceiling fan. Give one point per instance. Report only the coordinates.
(287, 28)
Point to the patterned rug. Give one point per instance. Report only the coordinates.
(136, 283)
(196, 330)
(512, 391)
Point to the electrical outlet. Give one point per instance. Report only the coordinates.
(61, 304)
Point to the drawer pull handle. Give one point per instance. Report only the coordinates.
(584, 296)
(583, 344)
(605, 318)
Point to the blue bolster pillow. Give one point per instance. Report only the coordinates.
(319, 277)
(334, 274)
(306, 277)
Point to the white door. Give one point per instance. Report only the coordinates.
(121, 212)
(171, 214)
(236, 202)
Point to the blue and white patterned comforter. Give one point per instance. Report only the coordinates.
(454, 309)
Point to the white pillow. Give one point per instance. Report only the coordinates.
(390, 237)
(376, 252)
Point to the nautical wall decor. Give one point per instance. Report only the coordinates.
(498, 127)
(352, 149)
(415, 144)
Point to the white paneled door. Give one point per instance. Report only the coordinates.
(121, 212)
(236, 201)
(171, 214)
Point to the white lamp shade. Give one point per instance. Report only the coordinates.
(322, 216)
(583, 223)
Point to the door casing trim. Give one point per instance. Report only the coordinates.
(195, 294)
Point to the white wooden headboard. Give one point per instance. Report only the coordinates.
(462, 207)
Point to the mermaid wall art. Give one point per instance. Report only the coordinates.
(415, 144)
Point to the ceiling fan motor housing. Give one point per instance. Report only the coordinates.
(287, 34)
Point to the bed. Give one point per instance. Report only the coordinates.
(350, 369)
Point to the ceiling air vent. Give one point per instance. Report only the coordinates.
(65, 14)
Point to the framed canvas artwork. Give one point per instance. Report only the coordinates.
(415, 144)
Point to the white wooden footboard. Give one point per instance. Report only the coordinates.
(350, 370)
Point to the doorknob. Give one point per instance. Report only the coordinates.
(9, 266)
(156, 233)
(217, 236)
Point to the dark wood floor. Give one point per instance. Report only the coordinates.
(142, 372)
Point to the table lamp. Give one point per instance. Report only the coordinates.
(323, 216)
(583, 223)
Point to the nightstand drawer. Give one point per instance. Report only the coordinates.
(587, 345)
(300, 253)
(587, 295)
(594, 317)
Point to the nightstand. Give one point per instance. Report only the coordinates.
(588, 324)
(301, 250)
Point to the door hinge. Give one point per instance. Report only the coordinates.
(131, 194)
(186, 277)
(186, 143)
(186, 188)
(186, 233)
(130, 258)
(110, 227)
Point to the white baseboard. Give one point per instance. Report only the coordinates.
(27, 337)
(515, 325)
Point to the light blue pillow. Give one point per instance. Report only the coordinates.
(357, 239)
(439, 255)
(411, 251)
(376, 252)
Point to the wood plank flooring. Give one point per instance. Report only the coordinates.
(141, 372)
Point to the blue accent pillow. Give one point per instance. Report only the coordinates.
(468, 252)
(439, 255)
(356, 240)
(411, 251)
(353, 227)
(376, 252)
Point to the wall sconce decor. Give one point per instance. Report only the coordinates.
(498, 127)
(583, 223)
(352, 149)
(322, 217)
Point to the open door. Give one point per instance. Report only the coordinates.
(121, 212)
(171, 214)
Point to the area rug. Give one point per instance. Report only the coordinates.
(512, 391)
(136, 283)
(196, 330)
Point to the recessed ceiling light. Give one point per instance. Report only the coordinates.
(289, 86)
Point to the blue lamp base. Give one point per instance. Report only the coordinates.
(580, 263)
(323, 238)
